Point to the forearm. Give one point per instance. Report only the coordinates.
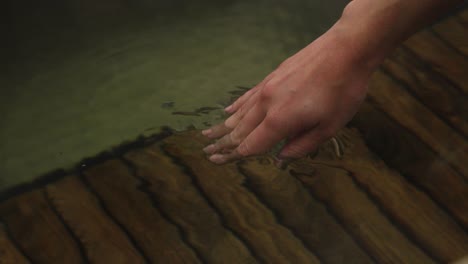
(373, 28)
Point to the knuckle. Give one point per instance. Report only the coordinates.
(235, 138)
(244, 150)
(229, 123)
(267, 91)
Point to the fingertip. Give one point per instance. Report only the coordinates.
(207, 132)
(229, 109)
(209, 149)
(217, 159)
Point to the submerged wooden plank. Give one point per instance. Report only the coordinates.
(462, 16)
(119, 191)
(414, 211)
(454, 32)
(39, 232)
(429, 87)
(103, 240)
(362, 218)
(296, 209)
(405, 152)
(410, 113)
(440, 58)
(180, 200)
(240, 209)
(9, 253)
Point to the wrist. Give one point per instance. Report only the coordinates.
(367, 37)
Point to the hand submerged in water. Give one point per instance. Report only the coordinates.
(314, 93)
(306, 100)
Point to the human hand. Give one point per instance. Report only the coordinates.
(306, 100)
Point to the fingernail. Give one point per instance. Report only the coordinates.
(206, 132)
(228, 109)
(217, 158)
(209, 149)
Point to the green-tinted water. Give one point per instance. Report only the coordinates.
(81, 76)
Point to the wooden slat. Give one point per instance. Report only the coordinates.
(103, 240)
(441, 58)
(180, 200)
(410, 113)
(9, 254)
(241, 210)
(463, 17)
(294, 206)
(363, 219)
(430, 226)
(405, 152)
(119, 191)
(429, 87)
(38, 231)
(451, 30)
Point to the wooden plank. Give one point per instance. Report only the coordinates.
(412, 209)
(103, 240)
(434, 91)
(38, 231)
(240, 209)
(405, 152)
(9, 253)
(455, 33)
(179, 199)
(410, 113)
(362, 218)
(306, 217)
(440, 58)
(120, 193)
(463, 17)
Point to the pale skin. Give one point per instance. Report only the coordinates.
(317, 91)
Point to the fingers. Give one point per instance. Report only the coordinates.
(241, 100)
(265, 134)
(217, 131)
(231, 140)
(245, 97)
(234, 120)
(227, 126)
(302, 145)
(263, 137)
(225, 157)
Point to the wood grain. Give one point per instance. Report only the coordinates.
(414, 159)
(35, 227)
(305, 216)
(410, 208)
(429, 87)
(102, 238)
(362, 218)
(9, 253)
(176, 195)
(440, 57)
(410, 113)
(451, 30)
(241, 210)
(120, 192)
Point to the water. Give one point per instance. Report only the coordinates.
(79, 77)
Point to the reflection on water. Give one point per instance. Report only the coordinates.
(80, 76)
